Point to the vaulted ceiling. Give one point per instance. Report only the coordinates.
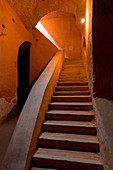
(30, 12)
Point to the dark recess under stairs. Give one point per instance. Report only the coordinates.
(69, 135)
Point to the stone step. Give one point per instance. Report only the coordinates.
(72, 68)
(85, 98)
(70, 93)
(68, 61)
(73, 76)
(72, 60)
(82, 106)
(70, 79)
(73, 142)
(72, 83)
(34, 168)
(72, 65)
(72, 127)
(78, 69)
(71, 88)
(72, 73)
(70, 115)
(64, 159)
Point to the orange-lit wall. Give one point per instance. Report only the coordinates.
(12, 35)
(66, 34)
(87, 51)
(42, 51)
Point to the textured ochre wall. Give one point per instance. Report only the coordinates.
(42, 51)
(30, 12)
(12, 35)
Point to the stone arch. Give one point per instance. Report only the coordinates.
(58, 14)
(62, 27)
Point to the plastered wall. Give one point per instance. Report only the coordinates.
(12, 35)
(42, 51)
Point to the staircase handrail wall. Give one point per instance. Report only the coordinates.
(22, 145)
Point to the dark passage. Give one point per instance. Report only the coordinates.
(23, 73)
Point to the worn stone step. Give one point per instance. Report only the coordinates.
(73, 68)
(65, 141)
(35, 168)
(70, 79)
(64, 159)
(72, 61)
(71, 127)
(81, 106)
(70, 115)
(73, 76)
(78, 69)
(73, 71)
(71, 88)
(72, 83)
(72, 65)
(75, 79)
(70, 93)
(85, 98)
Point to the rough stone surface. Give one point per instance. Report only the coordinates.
(6, 108)
(104, 120)
(12, 35)
(6, 131)
(31, 12)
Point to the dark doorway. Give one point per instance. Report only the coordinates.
(23, 73)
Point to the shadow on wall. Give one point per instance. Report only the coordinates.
(23, 73)
(103, 48)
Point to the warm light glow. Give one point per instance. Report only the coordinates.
(83, 20)
(41, 28)
(87, 18)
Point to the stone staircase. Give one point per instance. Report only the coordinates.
(69, 135)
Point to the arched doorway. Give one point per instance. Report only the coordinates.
(23, 73)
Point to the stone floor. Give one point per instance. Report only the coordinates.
(6, 131)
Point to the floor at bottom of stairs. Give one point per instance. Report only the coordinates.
(6, 131)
